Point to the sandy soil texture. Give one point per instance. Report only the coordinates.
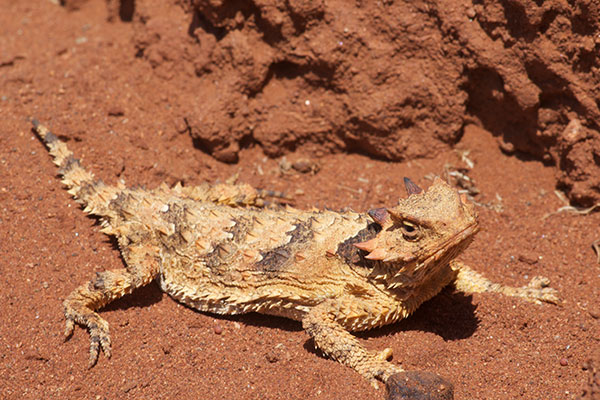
(333, 103)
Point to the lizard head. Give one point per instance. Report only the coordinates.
(426, 229)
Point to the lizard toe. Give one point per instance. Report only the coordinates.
(99, 339)
(385, 354)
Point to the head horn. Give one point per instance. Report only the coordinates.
(379, 215)
(411, 187)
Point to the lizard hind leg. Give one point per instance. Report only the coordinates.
(81, 305)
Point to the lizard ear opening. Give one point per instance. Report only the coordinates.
(411, 187)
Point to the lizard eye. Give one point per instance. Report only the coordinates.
(409, 231)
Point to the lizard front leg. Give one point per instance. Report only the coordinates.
(470, 281)
(80, 305)
(333, 339)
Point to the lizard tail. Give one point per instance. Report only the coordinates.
(91, 193)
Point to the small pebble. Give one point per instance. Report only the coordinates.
(116, 111)
(564, 362)
(527, 259)
(218, 329)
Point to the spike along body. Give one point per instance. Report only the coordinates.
(217, 249)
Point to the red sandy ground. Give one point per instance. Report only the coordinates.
(115, 114)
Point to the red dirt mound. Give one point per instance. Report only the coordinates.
(393, 79)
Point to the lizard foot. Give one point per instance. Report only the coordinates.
(538, 291)
(99, 335)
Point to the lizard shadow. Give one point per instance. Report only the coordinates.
(264, 321)
(450, 315)
(142, 297)
(150, 294)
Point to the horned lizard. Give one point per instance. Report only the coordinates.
(218, 250)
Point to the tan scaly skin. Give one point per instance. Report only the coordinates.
(216, 249)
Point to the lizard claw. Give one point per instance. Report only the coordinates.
(97, 327)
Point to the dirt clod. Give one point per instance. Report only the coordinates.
(307, 75)
(419, 385)
(305, 166)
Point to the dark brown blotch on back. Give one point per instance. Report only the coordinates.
(68, 164)
(240, 229)
(350, 254)
(175, 215)
(275, 259)
(98, 283)
(221, 253)
(87, 188)
(118, 203)
(50, 137)
(224, 249)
